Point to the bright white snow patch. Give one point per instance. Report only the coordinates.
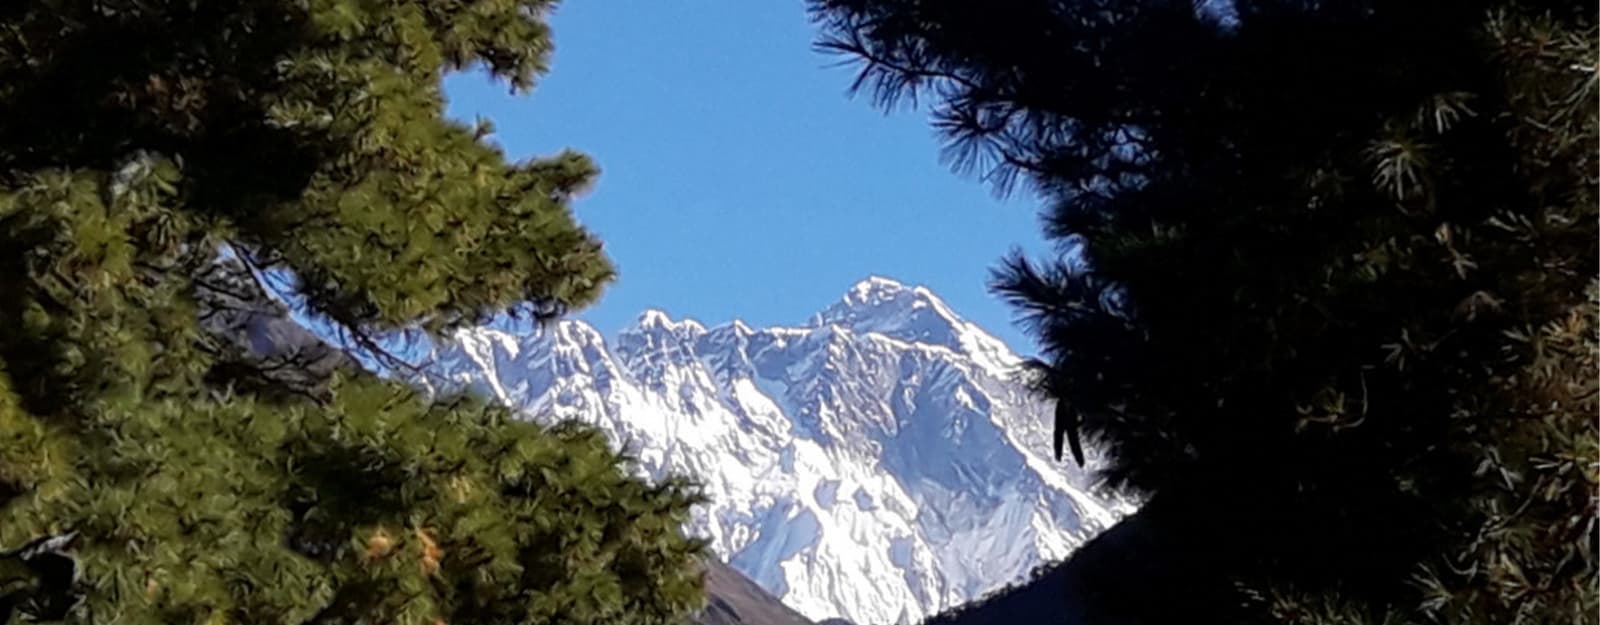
(878, 463)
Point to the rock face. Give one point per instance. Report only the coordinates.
(257, 331)
(877, 463)
(732, 599)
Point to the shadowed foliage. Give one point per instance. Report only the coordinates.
(1327, 281)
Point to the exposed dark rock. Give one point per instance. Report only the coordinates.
(261, 345)
(733, 599)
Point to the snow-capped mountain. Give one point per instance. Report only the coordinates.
(877, 463)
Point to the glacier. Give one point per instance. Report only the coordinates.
(877, 463)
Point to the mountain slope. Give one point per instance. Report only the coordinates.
(732, 599)
(877, 463)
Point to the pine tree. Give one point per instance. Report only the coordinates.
(1327, 289)
(145, 144)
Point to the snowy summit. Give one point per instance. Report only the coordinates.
(878, 463)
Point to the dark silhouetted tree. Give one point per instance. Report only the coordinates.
(1327, 284)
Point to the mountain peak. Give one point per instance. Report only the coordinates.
(656, 320)
(656, 335)
(828, 453)
(894, 309)
(574, 332)
(874, 286)
(876, 293)
(916, 314)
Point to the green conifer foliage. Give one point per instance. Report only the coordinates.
(142, 137)
(1335, 307)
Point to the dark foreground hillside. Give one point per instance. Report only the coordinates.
(1036, 601)
(1130, 575)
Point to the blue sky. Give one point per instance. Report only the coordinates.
(738, 179)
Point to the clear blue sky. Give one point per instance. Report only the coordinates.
(738, 179)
